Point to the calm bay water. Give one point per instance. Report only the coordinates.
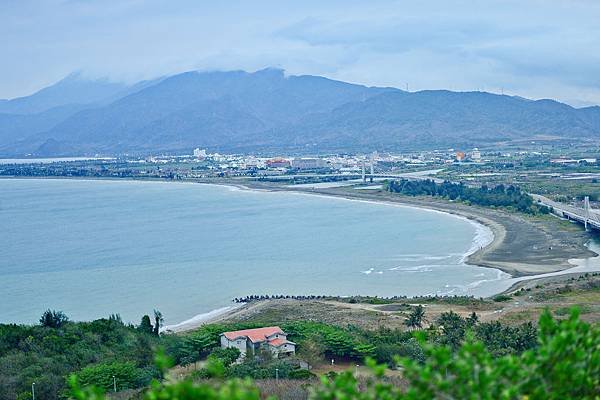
(91, 248)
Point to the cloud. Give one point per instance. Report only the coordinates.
(531, 48)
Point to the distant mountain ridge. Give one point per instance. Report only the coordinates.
(266, 111)
(73, 89)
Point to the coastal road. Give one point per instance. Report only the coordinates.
(418, 175)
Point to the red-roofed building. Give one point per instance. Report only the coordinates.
(278, 163)
(272, 338)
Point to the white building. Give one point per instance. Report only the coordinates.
(308, 163)
(476, 155)
(200, 153)
(251, 340)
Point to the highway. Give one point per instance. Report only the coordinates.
(574, 213)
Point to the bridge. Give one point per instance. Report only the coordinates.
(589, 217)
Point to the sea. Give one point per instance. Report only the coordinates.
(97, 247)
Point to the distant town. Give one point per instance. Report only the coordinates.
(565, 175)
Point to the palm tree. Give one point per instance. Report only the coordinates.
(158, 321)
(415, 318)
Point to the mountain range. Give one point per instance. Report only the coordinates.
(267, 112)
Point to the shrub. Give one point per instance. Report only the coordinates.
(127, 375)
(300, 374)
(228, 356)
(501, 298)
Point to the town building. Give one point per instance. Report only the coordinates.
(476, 155)
(308, 163)
(278, 163)
(249, 341)
(200, 153)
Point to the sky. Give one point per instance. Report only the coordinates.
(530, 48)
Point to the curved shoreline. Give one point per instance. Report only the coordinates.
(515, 268)
(471, 257)
(497, 231)
(518, 267)
(475, 258)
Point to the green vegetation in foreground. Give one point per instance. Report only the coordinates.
(320, 342)
(455, 356)
(510, 197)
(47, 353)
(565, 364)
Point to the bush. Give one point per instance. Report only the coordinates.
(126, 374)
(228, 356)
(301, 374)
(501, 298)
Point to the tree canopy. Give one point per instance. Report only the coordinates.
(498, 196)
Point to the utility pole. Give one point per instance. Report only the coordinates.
(364, 176)
(586, 207)
(33, 391)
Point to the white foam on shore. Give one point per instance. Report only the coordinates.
(464, 289)
(199, 319)
(423, 257)
(483, 237)
(415, 268)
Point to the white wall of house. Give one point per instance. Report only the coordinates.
(284, 348)
(239, 343)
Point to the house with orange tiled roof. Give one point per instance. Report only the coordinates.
(249, 341)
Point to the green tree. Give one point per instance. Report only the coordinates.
(126, 375)
(228, 356)
(311, 350)
(452, 329)
(146, 325)
(53, 319)
(415, 318)
(158, 322)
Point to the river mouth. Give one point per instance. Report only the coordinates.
(93, 248)
(580, 266)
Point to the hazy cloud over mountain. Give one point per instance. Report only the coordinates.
(530, 48)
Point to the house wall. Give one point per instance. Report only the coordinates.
(286, 348)
(277, 336)
(239, 343)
